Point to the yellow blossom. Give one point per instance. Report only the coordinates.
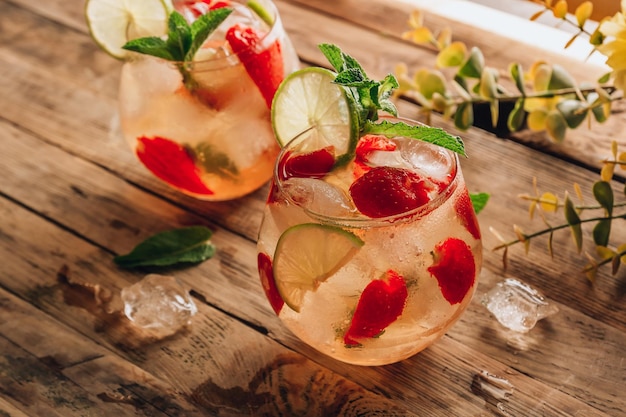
(614, 47)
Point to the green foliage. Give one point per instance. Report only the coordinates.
(547, 95)
(610, 207)
(369, 97)
(183, 40)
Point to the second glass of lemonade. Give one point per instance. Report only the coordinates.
(208, 133)
(373, 261)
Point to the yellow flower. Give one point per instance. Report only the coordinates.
(418, 33)
(614, 46)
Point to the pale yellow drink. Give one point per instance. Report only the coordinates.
(213, 141)
(426, 260)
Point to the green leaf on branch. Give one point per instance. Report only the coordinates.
(560, 79)
(474, 65)
(464, 116)
(556, 126)
(516, 118)
(574, 112)
(573, 220)
(602, 232)
(603, 193)
(517, 74)
(185, 245)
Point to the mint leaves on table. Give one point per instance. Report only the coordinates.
(183, 40)
(184, 245)
(369, 97)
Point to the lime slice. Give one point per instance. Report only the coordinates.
(112, 23)
(308, 100)
(306, 255)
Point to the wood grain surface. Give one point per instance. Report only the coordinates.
(72, 196)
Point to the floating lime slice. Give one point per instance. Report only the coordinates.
(112, 23)
(308, 100)
(307, 255)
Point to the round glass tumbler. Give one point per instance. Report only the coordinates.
(203, 127)
(374, 288)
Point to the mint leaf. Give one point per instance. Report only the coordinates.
(179, 36)
(185, 245)
(150, 46)
(479, 201)
(334, 55)
(215, 162)
(368, 97)
(424, 133)
(203, 26)
(183, 40)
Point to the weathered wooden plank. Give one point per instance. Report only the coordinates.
(218, 364)
(233, 275)
(33, 90)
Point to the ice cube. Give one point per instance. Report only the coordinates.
(517, 305)
(393, 159)
(319, 197)
(432, 161)
(158, 302)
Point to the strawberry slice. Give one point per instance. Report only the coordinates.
(465, 210)
(314, 164)
(172, 163)
(386, 191)
(200, 7)
(366, 145)
(266, 273)
(380, 304)
(455, 269)
(264, 66)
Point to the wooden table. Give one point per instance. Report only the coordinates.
(72, 196)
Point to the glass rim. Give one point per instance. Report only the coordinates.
(213, 64)
(360, 220)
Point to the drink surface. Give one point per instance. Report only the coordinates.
(407, 276)
(210, 136)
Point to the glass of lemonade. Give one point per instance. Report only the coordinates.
(372, 261)
(203, 126)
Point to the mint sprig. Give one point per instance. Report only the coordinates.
(369, 97)
(182, 42)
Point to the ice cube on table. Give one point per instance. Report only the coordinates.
(158, 302)
(517, 305)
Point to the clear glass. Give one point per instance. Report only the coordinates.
(411, 244)
(210, 135)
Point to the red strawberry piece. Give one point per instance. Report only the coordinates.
(264, 66)
(370, 143)
(380, 304)
(465, 210)
(366, 145)
(273, 194)
(172, 163)
(200, 7)
(386, 191)
(314, 164)
(269, 284)
(454, 268)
